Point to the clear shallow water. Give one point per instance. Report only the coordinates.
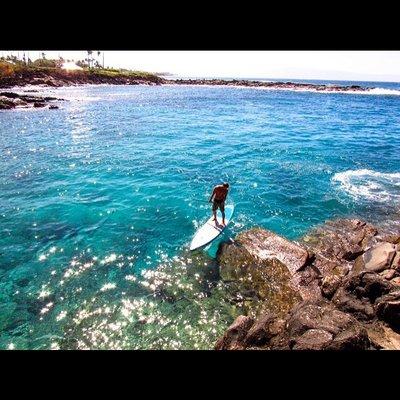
(96, 195)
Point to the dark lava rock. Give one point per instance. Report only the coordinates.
(351, 264)
(330, 284)
(263, 330)
(339, 242)
(388, 309)
(313, 339)
(10, 95)
(319, 315)
(389, 274)
(353, 338)
(280, 85)
(6, 104)
(358, 293)
(235, 334)
(10, 100)
(53, 107)
(309, 326)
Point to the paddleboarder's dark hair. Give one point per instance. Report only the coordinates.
(226, 184)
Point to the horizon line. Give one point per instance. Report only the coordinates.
(175, 76)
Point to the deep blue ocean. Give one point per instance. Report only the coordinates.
(99, 201)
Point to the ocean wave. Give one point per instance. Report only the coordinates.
(369, 184)
(383, 91)
(373, 91)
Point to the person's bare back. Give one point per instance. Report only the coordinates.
(219, 193)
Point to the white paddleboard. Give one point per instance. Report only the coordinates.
(209, 231)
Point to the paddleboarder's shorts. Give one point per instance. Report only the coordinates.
(218, 204)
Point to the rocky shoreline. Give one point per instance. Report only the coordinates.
(59, 78)
(63, 78)
(338, 288)
(11, 100)
(270, 85)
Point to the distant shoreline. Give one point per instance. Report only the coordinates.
(56, 78)
(48, 77)
(271, 85)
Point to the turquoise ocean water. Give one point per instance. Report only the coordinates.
(99, 201)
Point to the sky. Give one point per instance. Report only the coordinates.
(334, 65)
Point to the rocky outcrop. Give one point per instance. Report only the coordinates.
(234, 337)
(271, 85)
(342, 285)
(262, 269)
(10, 100)
(358, 294)
(60, 77)
(266, 245)
(387, 309)
(379, 258)
(309, 326)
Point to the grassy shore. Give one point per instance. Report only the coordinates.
(51, 73)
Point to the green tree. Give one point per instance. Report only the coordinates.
(90, 57)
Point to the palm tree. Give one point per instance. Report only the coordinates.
(90, 59)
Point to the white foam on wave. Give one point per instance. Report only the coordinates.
(383, 91)
(373, 91)
(369, 184)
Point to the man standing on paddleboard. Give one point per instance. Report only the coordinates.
(220, 192)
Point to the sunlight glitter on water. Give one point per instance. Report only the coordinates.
(101, 199)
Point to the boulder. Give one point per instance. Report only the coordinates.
(341, 238)
(309, 326)
(382, 337)
(319, 315)
(353, 338)
(396, 260)
(267, 245)
(316, 326)
(6, 104)
(263, 330)
(53, 107)
(38, 104)
(396, 281)
(360, 308)
(313, 339)
(255, 272)
(389, 274)
(390, 237)
(336, 245)
(358, 293)
(10, 95)
(388, 309)
(379, 257)
(329, 285)
(233, 338)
